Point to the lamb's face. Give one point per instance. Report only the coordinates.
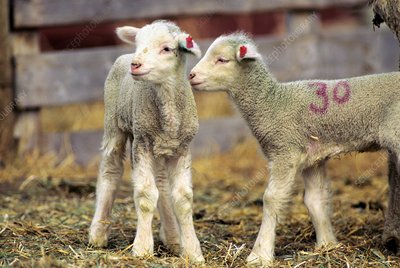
(222, 65)
(160, 52)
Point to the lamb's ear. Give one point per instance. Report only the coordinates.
(187, 44)
(247, 51)
(127, 33)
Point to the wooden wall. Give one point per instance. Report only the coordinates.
(62, 51)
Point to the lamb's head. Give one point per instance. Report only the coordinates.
(161, 49)
(224, 63)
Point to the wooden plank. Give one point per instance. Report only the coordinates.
(27, 131)
(66, 77)
(7, 105)
(209, 140)
(27, 127)
(25, 43)
(85, 145)
(368, 53)
(78, 76)
(38, 13)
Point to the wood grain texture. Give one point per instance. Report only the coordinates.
(6, 95)
(27, 131)
(85, 145)
(38, 13)
(78, 76)
(25, 43)
(67, 77)
(5, 73)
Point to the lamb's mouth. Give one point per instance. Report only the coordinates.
(140, 74)
(196, 85)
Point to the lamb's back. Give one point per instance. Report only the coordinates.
(345, 109)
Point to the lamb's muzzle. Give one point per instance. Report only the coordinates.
(195, 82)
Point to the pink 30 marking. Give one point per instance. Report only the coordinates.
(322, 92)
(346, 96)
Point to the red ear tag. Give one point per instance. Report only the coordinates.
(243, 51)
(189, 42)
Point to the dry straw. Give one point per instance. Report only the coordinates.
(46, 207)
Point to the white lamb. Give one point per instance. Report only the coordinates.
(299, 125)
(148, 101)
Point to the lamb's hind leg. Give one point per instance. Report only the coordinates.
(182, 200)
(111, 169)
(145, 196)
(391, 234)
(317, 197)
(169, 229)
(389, 138)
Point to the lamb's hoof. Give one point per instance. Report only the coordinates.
(327, 244)
(98, 235)
(391, 240)
(192, 250)
(140, 251)
(254, 260)
(194, 258)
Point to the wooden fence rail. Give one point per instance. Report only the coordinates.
(85, 145)
(50, 79)
(39, 13)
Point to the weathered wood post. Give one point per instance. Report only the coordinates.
(7, 105)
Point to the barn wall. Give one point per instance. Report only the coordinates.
(63, 50)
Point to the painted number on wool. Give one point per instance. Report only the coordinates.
(341, 95)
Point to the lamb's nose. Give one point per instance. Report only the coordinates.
(135, 65)
(192, 75)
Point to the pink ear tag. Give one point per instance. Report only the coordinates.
(189, 42)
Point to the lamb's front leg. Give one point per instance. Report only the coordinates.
(169, 229)
(317, 197)
(276, 198)
(182, 200)
(145, 197)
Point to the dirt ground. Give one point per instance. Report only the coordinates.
(46, 207)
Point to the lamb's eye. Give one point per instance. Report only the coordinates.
(222, 60)
(166, 50)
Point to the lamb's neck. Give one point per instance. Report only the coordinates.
(256, 95)
(167, 95)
